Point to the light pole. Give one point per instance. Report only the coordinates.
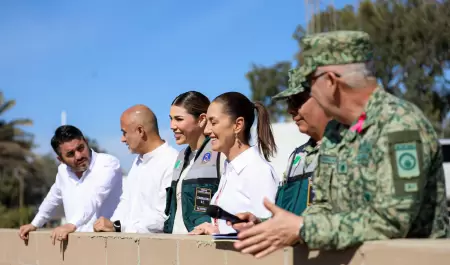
(63, 117)
(19, 176)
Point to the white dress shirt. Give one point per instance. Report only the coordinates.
(247, 180)
(142, 205)
(96, 193)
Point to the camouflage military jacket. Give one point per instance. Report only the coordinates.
(385, 181)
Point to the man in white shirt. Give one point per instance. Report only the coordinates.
(142, 205)
(88, 185)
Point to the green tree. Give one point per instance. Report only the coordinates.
(412, 52)
(266, 82)
(16, 165)
(15, 143)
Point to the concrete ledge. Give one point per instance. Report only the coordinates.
(130, 249)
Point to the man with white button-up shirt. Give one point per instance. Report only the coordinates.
(142, 205)
(88, 185)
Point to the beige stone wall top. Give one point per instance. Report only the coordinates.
(161, 249)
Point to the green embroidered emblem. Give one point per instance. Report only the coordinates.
(342, 167)
(326, 159)
(367, 196)
(406, 159)
(296, 160)
(411, 187)
(177, 164)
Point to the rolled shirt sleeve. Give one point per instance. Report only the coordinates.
(50, 203)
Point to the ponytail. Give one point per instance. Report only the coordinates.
(266, 141)
(237, 105)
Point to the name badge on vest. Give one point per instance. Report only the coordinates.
(202, 199)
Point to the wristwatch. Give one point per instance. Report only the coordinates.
(117, 226)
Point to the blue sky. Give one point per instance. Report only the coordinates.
(94, 59)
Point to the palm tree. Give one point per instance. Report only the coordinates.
(15, 150)
(15, 143)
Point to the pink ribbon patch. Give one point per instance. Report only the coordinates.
(359, 125)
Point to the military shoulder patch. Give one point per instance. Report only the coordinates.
(406, 152)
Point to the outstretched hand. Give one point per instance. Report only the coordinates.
(280, 231)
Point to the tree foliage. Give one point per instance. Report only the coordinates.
(412, 51)
(15, 143)
(268, 81)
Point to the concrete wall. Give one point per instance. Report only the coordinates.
(130, 249)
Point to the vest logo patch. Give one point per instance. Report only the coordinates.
(206, 158)
(296, 160)
(177, 164)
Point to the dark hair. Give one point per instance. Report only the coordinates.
(194, 102)
(63, 134)
(237, 105)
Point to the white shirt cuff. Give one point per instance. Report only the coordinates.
(38, 221)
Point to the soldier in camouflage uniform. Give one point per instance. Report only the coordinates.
(296, 190)
(380, 173)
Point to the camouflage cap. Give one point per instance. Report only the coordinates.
(328, 48)
(294, 85)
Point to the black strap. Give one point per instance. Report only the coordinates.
(219, 174)
(297, 150)
(300, 177)
(290, 164)
(188, 151)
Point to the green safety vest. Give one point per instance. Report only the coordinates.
(197, 188)
(296, 192)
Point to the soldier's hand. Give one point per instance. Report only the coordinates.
(104, 225)
(250, 221)
(25, 230)
(280, 231)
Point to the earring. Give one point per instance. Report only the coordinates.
(237, 139)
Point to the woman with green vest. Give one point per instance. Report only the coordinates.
(197, 169)
(248, 177)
